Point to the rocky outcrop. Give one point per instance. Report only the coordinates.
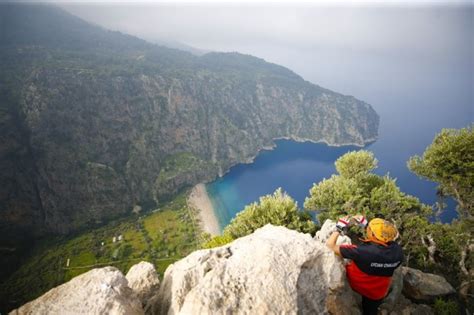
(326, 230)
(99, 291)
(143, 280)
(418, 285)
(406, 307)
(397, 304)
(272, 271)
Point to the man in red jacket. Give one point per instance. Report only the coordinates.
(372, 262)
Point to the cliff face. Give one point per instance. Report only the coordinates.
(97, 122)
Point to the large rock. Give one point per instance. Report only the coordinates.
(394, 297)
(143, 280)
(406, 307)
(99, 291)
(396, 304)
(418, 285)
(272, 271)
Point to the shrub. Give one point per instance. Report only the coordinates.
(276, 209)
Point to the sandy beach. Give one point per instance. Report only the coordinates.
(199, 199)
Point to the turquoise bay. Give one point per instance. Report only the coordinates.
(295, 167)
(292, 166)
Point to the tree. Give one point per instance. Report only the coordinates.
(357, 190)
(435, 247)
(356, 163)
(449, 161)
(276, 209)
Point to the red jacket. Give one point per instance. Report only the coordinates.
(372, 266)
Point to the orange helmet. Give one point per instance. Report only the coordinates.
(382, 231)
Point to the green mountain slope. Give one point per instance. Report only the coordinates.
(96, 122)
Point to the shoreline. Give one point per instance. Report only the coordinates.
(199, 199)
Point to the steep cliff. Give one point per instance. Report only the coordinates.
(96, 122)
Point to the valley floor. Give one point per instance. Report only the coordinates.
(161, 236)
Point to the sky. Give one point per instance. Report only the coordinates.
(232, 27)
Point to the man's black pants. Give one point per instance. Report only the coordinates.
(370, 307)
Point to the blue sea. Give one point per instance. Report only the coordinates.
(296, 166)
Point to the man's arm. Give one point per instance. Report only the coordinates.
(331, 243)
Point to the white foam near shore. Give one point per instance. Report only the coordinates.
(199, 199)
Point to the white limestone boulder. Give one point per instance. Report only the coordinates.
(272, 271)
(326, 230)
(143, 280)
(99, 291)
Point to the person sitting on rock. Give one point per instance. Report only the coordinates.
(372, 262)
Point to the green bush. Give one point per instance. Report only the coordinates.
(276, 209)
(217, 241)
(442, 307)
(357, 190)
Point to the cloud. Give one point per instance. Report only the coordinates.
(431, 32)
(357, 50)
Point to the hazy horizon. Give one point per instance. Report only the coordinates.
(344, 48)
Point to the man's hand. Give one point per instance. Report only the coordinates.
(361, 220)
(342, 224)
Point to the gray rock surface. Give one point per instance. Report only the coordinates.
(143, 280)
(99, 291)
(406, 307)
(418, 285)
(326, 230)
(392, 301)
(272, 271)
(396, 304)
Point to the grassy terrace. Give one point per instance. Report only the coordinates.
(161, 237)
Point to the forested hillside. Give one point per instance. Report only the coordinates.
(96, 123)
